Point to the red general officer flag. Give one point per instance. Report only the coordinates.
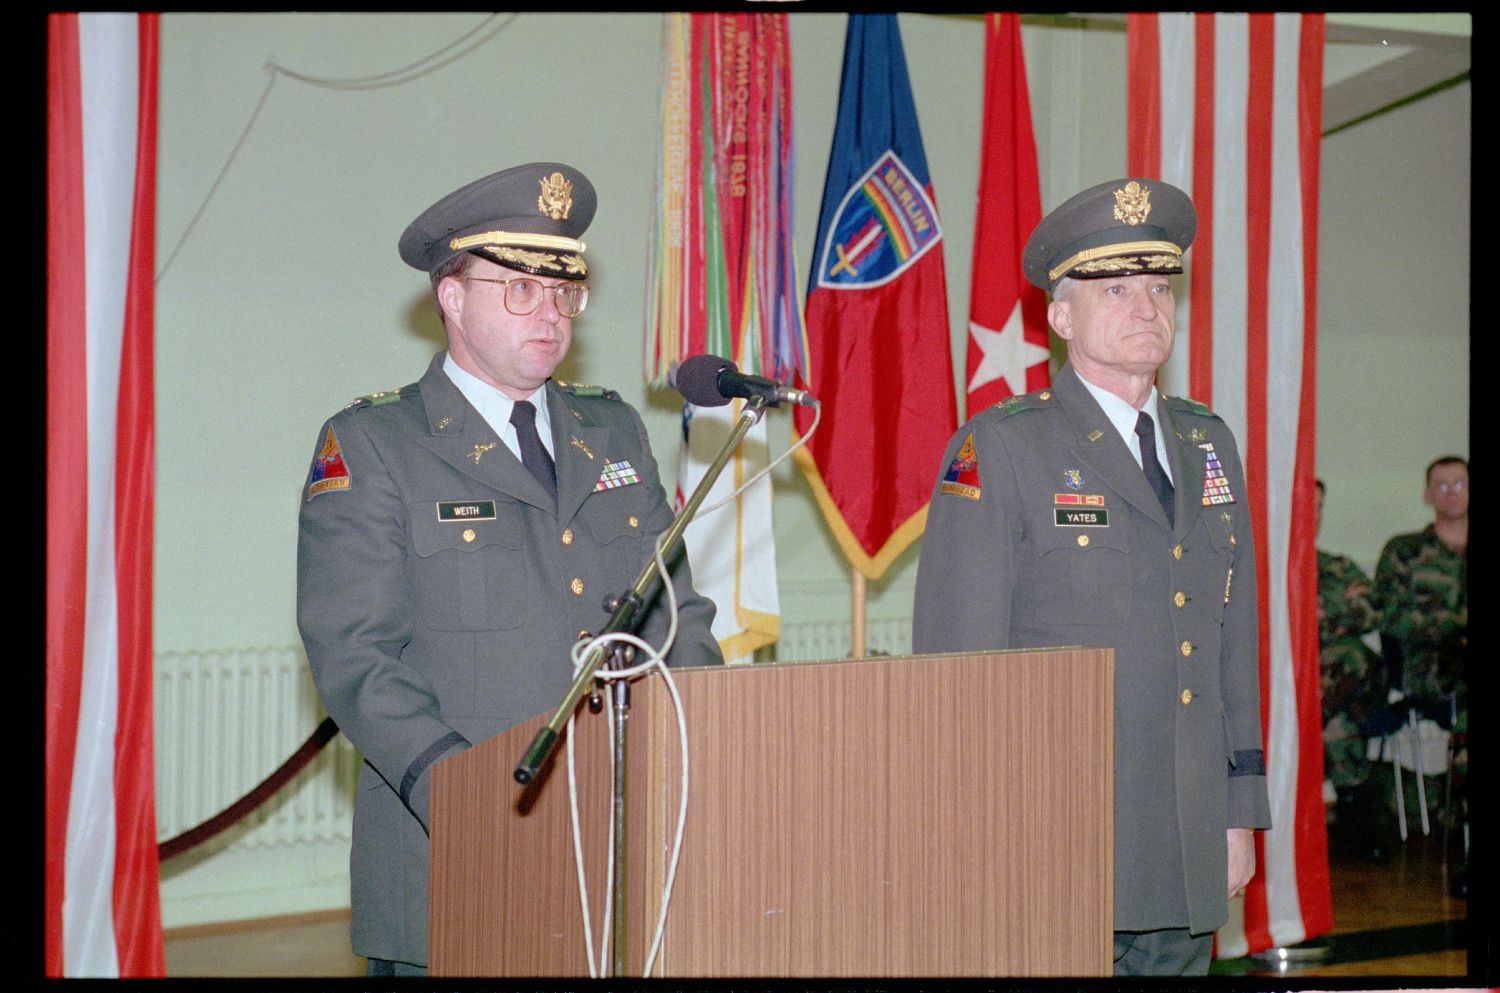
(877, 314)
(1008, 352)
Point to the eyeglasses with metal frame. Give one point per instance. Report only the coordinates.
(524, 295)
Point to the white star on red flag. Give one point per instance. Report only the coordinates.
(1008, 353)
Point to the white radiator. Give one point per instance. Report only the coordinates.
(227, 720)
(831, 639)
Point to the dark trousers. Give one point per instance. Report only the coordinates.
(390, 967)
(1165, 952)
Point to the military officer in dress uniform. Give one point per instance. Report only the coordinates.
(1100, 512)
(458, 535)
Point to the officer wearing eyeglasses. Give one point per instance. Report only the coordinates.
(459, 534)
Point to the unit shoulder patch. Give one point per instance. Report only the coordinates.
(329, 472)
(962, 478)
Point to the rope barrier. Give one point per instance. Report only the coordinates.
(193, 837)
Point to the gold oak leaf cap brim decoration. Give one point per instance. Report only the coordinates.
(528, 217)
(1126, 226)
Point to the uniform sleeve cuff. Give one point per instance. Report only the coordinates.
(416, 785)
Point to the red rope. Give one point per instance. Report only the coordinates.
(193, 837)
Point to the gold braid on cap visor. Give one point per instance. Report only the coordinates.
(1110, 251)
(500, 239)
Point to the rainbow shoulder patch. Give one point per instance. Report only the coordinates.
(962, 477)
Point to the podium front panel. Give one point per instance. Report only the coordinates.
(931, 816)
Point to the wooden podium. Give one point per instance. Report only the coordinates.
(936, 815)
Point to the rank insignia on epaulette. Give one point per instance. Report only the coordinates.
(586, 390)
(962, 477)
(375, 399)
(1198, 407)
(328, 470)
(1215, 483)
(618, 473)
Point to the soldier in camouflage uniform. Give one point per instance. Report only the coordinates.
(1353, 689)
(1421, 584)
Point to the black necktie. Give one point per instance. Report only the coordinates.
(1145, 429)
(533, 456)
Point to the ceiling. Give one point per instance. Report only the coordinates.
(1375, 62)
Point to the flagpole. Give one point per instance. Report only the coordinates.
(857, 614)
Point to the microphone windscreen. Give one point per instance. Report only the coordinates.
(697, 379)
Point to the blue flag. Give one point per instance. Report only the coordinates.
(877, 313)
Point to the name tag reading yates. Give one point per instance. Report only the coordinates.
(466, 510)
(1095, 517)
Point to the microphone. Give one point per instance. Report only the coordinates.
(711, 381)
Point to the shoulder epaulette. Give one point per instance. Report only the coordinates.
(383, 397)
(1026, 401)
(1191, 406)
(585, 390)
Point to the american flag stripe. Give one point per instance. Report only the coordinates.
(1228, 107)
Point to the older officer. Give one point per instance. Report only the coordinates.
(459, 534)
(1099, 512)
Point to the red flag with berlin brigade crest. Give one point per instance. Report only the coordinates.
(877, 314)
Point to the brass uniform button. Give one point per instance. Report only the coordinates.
(1232, 541)
(1176, 551)
(1178, 598)
(1083, 541)
(567, 536)
(1045, 395)
(1187, 697)
(576, 586)
(635, 522)
(1187, 649)
(469, 534)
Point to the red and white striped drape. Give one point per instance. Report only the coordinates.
(102, 905)
(1228, 107)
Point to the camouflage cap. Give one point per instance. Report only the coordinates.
(528, 217)
(1123, 227)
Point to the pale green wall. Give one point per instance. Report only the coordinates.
(1393, 317)
(287, 298)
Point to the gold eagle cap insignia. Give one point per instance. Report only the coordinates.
(557, 196)
(1132, 204)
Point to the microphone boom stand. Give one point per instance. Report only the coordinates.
(626, 616)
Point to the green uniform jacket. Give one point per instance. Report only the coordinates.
(439, 592)
(1010, 560)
